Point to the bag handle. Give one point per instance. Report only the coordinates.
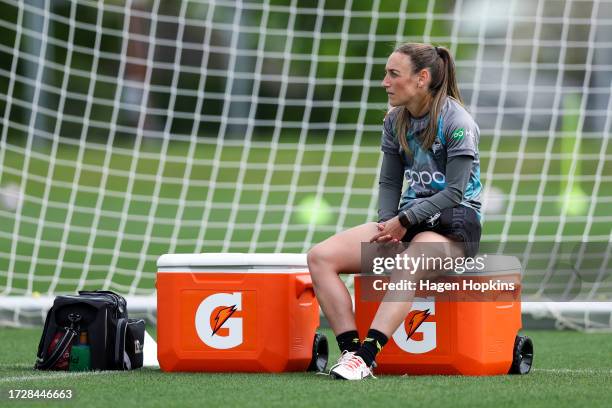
(45, 363)
(70, 333)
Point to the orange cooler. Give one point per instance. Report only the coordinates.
(236, 313)
(454, 337)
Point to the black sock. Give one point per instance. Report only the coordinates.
(371, 346)
(348, 341)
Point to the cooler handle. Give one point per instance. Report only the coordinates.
(303, 285)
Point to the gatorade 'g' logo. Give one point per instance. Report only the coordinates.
(221, 317)
(414, 320)
(415, 323)
(208, 331)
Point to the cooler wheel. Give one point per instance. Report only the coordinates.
(320, 353)
(522, 358)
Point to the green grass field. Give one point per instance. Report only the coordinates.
(571, 369)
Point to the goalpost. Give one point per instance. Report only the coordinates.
(136, 128)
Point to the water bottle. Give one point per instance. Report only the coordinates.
(80, 355)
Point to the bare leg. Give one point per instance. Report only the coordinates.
(340, 253)
(392, 313)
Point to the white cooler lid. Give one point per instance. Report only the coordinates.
(232, 260)
(494, 264)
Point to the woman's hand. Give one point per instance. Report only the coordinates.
(389, 231)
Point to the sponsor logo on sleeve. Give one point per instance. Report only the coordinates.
(458, 134)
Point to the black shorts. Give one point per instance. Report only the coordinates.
(458, 223)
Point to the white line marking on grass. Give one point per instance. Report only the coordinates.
(13, 366)
(575, 370)
(57, 376)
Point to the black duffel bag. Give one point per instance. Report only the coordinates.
(96, 321)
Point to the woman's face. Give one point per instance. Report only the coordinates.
(402, 85)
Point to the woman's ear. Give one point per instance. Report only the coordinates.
(424, 78)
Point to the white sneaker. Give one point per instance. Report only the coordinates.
(345, 356)
(351, 368)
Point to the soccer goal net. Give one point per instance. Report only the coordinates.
(135, 128)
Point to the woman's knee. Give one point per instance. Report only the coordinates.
(319, 259)
(341, 252)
